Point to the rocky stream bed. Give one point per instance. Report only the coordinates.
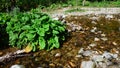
(93, 42)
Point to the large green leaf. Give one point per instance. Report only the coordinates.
(46, 27)
(33, 46)
(41, 32)
(30, 36)
(22, 35)
(61, 29)
(55, 32)
(42, 43)
(56, 43)
(44, 18)
(26, 27)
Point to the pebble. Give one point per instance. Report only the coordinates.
(94, 18)
(114, 50)
(17, 66)
(107, 55)
(115, 56)
(108, 62)
(72, 64)
(57, 54)
(114, 43)
(39, 67)
(93, 22)
(37, 59)
(101, 65)
(87, 53)
(78, 56)
(97, 58)
(96, 39)
(103, 35)
(109, 16)
(81, 51)
(87, 64)
(69, 30)
(92, 30)
(104, 39)
(92, 44)
(79, 28)
(52, 65)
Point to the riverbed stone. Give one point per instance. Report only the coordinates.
(107, 55)
(87, 64)
(93, 44)
(81, 51)
(87, 53)
(96, 39)
(97, 58)
(58, 55)
(104, 39)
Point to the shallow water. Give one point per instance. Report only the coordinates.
(98, 29)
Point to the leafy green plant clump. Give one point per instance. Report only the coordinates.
(35, 29)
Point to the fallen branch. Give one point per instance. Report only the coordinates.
(9, 56)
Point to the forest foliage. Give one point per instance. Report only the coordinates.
(24, 5)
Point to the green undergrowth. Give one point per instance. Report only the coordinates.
(35, 29)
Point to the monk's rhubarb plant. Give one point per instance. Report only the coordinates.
(37, 30)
